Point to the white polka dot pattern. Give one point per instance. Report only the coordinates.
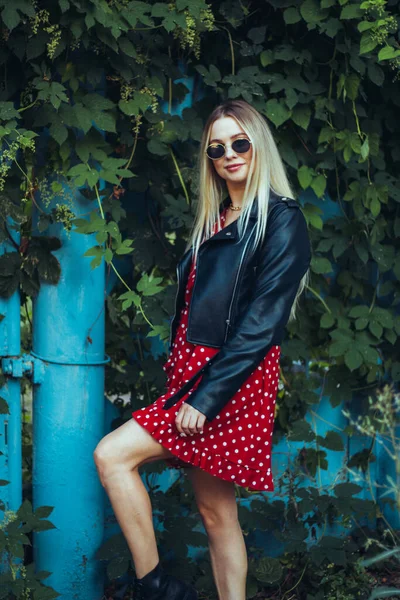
(236, 445)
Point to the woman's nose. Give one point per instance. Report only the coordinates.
(229, 151)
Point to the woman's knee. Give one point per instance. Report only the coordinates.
(103, 452)
(105, 458)
(127, 447)
(117, 450)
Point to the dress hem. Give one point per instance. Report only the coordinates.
(215, 464)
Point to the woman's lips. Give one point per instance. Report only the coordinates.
(234, 167)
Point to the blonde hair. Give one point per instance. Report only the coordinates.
(266, 172)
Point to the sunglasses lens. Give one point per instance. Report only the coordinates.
(215, 150)
(218, 150)
(241, 145)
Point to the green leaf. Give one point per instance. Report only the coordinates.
(108, 255)
(98, 253)
(353, 359)
(129, 298)
(361, 324)
(376, 329)
(97, 103)
(291, 15)
(319, 185)
(376, 73)
(301, 432)
(8, 112)
(332, 441)
(320, 264)
(129, 107)
(127, 47)
(156, 146)
(4, 408)
(58, 132)
(359, 311)
(388, 53)
(83, 116)
(113, 163)
(267, 58)
(268, 570)
(383, 316)
(338, 348)
(113, 229)
(312, 12)
(105, 121)
(351, 11)
(64, 5)
(109, 176)
(375, 207)
(149, 285)
(124, 248)
(10, 16)
(211, 76)
(42, 512)
(367, 43)
(364, 150)
(10, 269)
(305, 176)
(327, 320)
(301, 115)
(277, 112)
(92, 178)
(346, 490)
(352, 83)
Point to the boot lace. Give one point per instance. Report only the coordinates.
(139, 590)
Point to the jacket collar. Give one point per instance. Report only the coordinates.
(231, 231)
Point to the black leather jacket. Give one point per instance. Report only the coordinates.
(241, 300)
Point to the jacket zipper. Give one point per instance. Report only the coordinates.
(194, 284)
(176, 299)
(236, 282)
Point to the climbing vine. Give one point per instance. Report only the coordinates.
(90, 104)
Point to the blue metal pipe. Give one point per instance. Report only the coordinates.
(68, 415)
(10, 424)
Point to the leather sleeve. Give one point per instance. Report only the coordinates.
(284, 258)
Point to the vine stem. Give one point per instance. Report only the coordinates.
(169, 86)
(28, 106)
(179, 175)
(329, 121)
(31, 186)
(319, 298)
(115, 269)
(231, 47)
(298, 581)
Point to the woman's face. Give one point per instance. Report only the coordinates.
(225, 130)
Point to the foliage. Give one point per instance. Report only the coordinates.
(22, 581)
(87, 106)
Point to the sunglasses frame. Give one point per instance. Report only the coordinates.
(224, 147)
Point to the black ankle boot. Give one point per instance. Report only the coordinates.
(158, 585)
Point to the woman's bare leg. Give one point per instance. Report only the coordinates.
(216, 501)
(118, 456)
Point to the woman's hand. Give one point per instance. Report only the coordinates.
(189, 420)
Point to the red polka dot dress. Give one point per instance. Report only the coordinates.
(236, 444)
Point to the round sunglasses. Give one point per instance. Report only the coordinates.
(216, 151)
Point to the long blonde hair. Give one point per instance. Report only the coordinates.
(266, 172)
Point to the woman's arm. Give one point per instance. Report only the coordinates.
(284, 258)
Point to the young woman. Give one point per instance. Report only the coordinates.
(239, 280)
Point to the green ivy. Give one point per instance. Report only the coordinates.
(80, 110)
